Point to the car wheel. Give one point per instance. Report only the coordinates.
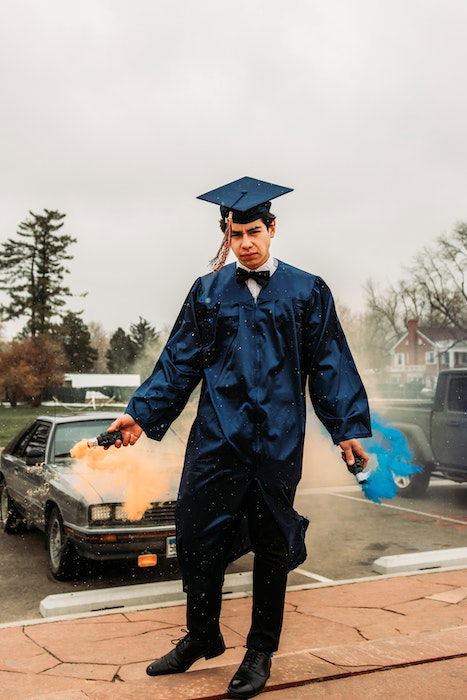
(12, 521)
(64, 561)
(413, 486)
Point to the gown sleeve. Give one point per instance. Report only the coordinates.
(336, 390)
(163, 396)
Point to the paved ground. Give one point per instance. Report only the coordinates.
(441, 679)
(346, 534)
(350, 641)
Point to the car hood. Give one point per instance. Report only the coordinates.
(93, 486)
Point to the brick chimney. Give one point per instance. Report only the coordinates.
(412, 326)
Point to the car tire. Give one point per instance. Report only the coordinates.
(12, 521)
(64, 560)
(413, 486)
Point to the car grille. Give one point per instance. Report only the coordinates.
(156, 514)
(160, 514)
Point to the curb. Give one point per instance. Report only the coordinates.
(227, 596)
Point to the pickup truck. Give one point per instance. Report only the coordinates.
(435, 429)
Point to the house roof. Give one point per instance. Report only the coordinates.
(438, 333)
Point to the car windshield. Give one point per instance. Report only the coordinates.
(68, 434)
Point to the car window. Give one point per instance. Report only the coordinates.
(68, 434)
(18, 449)
(38, 441)
(457, 394)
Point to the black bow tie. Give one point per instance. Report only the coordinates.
(261, 276)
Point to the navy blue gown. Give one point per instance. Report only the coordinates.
(254, 359)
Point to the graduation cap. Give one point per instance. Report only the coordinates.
(247, 198)
(241, 201)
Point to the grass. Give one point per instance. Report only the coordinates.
(12, 420)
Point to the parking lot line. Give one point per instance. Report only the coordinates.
(353, 488)
(326, 489)
(407, 510)
(317, 577)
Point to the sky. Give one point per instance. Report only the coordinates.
(119, 112)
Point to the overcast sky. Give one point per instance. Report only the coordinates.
(119, 112)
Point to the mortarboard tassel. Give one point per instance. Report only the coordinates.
(221, 256)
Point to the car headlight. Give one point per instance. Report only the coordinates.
(120, 513)
(102, 512)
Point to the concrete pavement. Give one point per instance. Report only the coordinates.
(350, 640)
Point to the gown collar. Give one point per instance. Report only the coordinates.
(239, 293)
(270, 265)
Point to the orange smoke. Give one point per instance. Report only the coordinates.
(79, 450)
(135, 476)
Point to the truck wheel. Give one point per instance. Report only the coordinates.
(13, 522)
(413, 486)
(64, 561)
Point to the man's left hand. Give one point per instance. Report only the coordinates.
(350, 448)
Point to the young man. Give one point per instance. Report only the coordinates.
(253, 333)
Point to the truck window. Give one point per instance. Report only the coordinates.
(457, 394)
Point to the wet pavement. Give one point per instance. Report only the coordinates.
(346, 534)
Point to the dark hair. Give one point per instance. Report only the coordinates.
(267, 220)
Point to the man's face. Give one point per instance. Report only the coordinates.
(250, 242)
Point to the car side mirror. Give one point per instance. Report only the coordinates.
(34, 455)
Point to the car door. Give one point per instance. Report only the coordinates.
(13, 464)
(35, 471)
(449, 427)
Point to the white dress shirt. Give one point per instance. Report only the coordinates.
(255, 288)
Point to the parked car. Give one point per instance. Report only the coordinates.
(81, 515)
(436, 431)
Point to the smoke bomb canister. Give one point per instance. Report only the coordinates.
(105, 439)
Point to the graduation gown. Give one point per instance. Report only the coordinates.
(254, 360)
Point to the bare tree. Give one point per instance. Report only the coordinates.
(363, 333)
(100, 342)
(439, 273)
(386, 307)
(433, 291)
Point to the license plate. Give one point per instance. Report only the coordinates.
(171, 547)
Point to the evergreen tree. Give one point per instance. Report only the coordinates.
(147, 358)
(121, 352)
(32, 271)
(142, 334)
(76, 341)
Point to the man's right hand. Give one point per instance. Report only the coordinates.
(129, 429)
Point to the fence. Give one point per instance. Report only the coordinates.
(68, 394)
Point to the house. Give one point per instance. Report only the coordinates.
(425, 350)
(97, 388)
(78, 380)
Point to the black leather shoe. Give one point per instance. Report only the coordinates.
(186, 652)
(251, 676)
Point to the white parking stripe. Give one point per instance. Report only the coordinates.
(327, 489)
(349, 488)
(317, 577)
(408, 510)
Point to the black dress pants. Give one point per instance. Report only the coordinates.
(269, 582)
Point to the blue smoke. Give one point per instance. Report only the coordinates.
(393, 457)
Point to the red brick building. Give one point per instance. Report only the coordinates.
(423, 351)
